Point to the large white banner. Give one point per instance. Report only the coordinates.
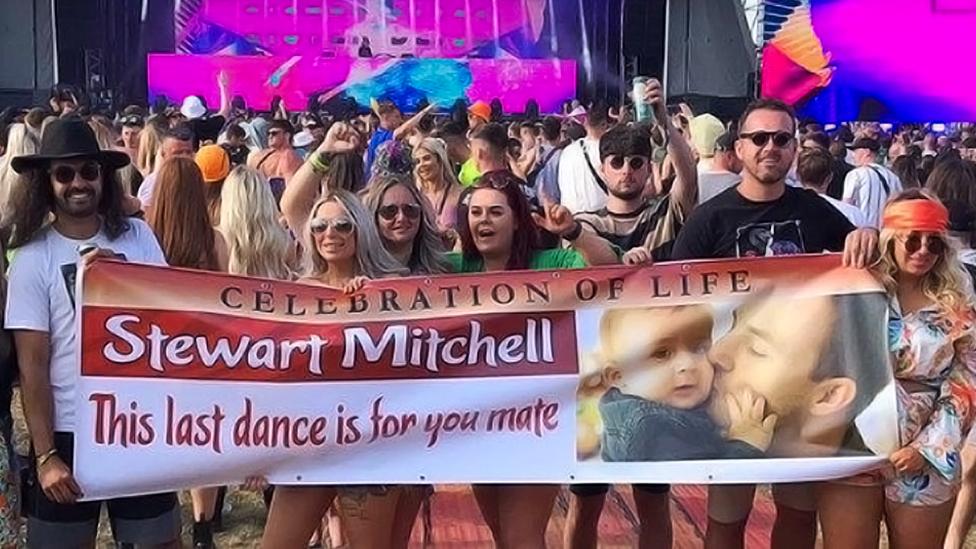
(719, 372)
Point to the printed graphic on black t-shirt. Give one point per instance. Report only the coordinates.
(769, 239)
(730, 225)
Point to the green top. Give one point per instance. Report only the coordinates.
(469, 173)
(542, 260)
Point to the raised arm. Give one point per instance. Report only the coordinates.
(404, 130)
(223, 82)
(304, 187)
(685, 188)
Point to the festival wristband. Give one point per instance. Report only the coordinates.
(319, 164)
(46, 457)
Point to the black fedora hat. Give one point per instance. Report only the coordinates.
(66, 139)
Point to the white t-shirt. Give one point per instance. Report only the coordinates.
(41, 294)
(578, 189)
(864, 189)
(713, 183)
(852, 214)
(145, 194)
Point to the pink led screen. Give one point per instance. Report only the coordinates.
(403, 50)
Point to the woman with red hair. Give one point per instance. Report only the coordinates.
(498, 234)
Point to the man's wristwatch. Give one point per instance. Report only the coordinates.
(575, 233)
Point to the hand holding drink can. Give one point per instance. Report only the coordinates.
(642, 109)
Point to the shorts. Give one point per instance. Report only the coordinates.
(586, 490)
(151, 519)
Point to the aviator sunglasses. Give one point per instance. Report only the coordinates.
(934, 244)
(389, 212)
(66, 174)
(759, 139)
(341, 225)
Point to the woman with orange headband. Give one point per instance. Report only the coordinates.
(933, 354)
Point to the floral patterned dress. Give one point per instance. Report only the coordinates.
(934, 359)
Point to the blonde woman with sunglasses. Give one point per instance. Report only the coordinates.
(342, 250)
(933, 355)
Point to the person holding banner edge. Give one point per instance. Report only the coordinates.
(763, 216)
(343, 250)
(932, 332)
(75, 182)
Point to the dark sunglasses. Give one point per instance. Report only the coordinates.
(759, 139)
(934, 244)
(390, 211)
(276, 132)
(635, 162)
(66, 174)
(341, 225)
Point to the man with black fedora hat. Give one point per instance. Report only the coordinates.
(70, 207)
(869, 185)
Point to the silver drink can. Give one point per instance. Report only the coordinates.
(642, 110)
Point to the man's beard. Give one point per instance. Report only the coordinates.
(66, 206)
(626, 194)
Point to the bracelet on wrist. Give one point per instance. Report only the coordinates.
(575, 233)
(319, 163)
(46, 457)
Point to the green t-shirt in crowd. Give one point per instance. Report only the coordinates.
(469, 173)
(542, 260)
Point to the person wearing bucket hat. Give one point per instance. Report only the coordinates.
(71, 206)
(214, 164)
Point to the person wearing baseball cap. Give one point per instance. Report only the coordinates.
(719, 170)
(72, 206)
(214, 164)
(870, 184)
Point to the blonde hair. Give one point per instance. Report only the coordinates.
(150, 140)
(21, 141)
(104, 134)
(257, 244)
(438, 148)
(372, 258)
(947, 284)
(428, 255)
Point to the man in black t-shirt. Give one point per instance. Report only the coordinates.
(762, 216)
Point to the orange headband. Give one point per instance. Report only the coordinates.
(916, 215)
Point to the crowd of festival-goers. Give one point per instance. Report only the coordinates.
(340, 197)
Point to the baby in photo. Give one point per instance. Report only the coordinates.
(660, 384)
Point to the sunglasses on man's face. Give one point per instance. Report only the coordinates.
(340, 225)
(635, 162)
(89, 171)
(760, 139)
(934, 244)
(390, 211)
(275, 133)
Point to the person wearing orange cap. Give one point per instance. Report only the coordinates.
(214, 164)
(479, 114)
(933, 348)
